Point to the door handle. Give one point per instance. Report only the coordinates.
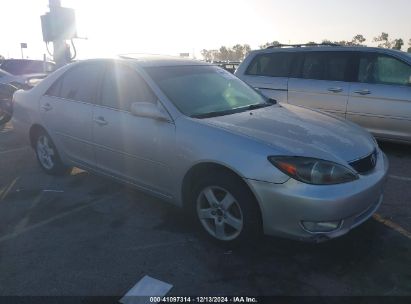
(363, 92)
(46, 107)
(335, 90)
(100, 121)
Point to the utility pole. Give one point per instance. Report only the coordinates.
(61, 51)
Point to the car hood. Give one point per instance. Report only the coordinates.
(297, 131)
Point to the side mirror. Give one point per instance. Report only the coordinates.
(272, 100)
(149, 109)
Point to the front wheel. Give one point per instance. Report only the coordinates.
(47, 155)
(226, 209)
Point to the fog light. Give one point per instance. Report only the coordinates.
(321, 226)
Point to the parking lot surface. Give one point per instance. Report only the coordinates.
(86, 235)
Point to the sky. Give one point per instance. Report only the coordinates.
(187, 26)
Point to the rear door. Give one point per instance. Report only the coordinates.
(132, 148)
(67, 109)
(269, 72)
(322, 81)
(380, 99)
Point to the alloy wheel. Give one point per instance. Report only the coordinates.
(220, 213)
(45, 152)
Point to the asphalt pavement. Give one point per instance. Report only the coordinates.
(86, 235)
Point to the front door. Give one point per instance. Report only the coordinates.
(380, 100)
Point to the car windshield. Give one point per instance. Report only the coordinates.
(205, 91)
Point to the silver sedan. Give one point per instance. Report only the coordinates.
(200, 138)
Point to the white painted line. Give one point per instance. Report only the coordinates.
(144, 289)
(3, 193)
(51, 190)
(403, 178)
(14, 150)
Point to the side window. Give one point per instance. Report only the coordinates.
(383, 69)
(122, 86)
(337, 66)
(274, 65)
(54, 90)
(79, 83)
(314, 66)
(332, 66)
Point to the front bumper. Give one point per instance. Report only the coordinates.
(285, 206)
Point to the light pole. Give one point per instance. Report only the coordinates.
(23, 46)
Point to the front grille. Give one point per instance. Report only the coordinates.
(365, 164)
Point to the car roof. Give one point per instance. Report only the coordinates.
(160, 60)
(150, 60)
(327, 48)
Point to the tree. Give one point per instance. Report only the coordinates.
(223, 53)
(240, 51)
(397, 44)
(235, 53)
(358, 40)
(384, 41)
(247, 49)
(266, 45)
(409, 44)
(207, 55)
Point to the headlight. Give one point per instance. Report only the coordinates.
(312, 170)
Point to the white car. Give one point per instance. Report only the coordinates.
(369, 86)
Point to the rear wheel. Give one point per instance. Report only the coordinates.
(226, 209)
(47, 155)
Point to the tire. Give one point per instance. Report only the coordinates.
(47, 155)
(225, 209)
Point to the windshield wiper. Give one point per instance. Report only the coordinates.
(214, 114)
(268, 103)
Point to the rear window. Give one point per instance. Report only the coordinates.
(274, 65)
(79, 83)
